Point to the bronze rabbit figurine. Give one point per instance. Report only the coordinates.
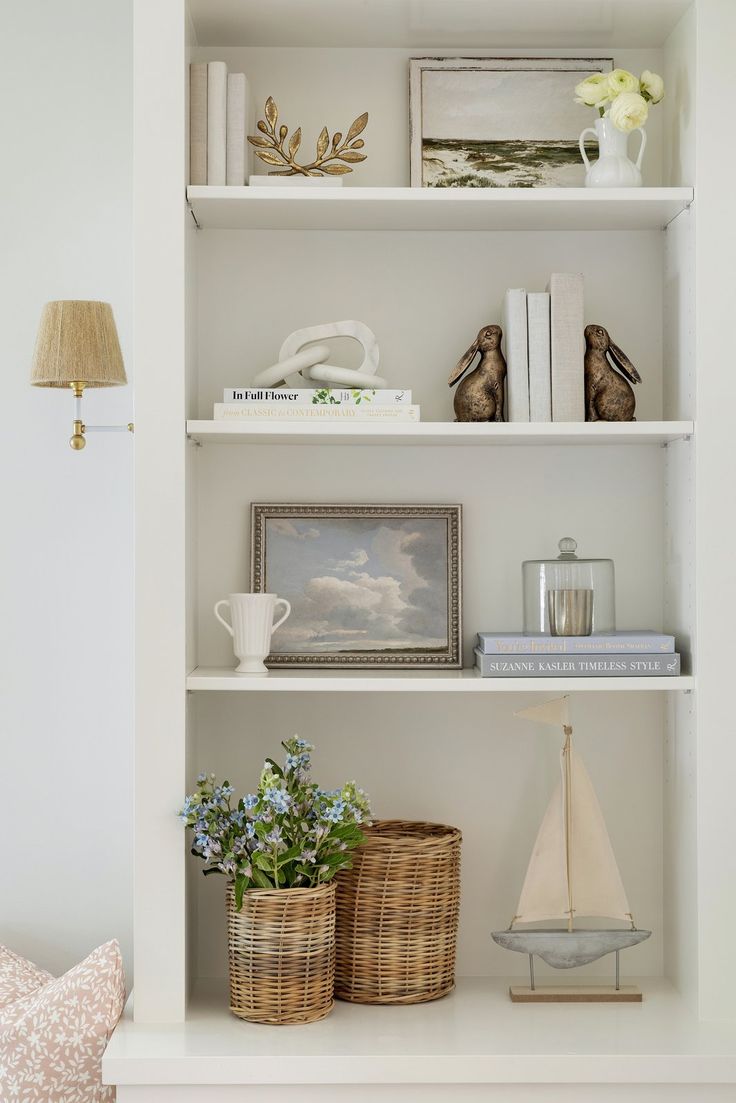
(480, 396)
(608, 395)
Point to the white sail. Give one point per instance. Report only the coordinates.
(544, 894)
(554, 712)
(572, 871)
(596, 885)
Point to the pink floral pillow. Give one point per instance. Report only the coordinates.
(19, 977)
(52, 1041)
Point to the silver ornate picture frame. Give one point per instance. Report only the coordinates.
(370, 586)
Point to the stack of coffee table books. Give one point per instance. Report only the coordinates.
(635, 654)
(316, 404)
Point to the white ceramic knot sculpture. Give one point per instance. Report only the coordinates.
(310, 362)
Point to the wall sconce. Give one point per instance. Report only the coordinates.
(77, 347)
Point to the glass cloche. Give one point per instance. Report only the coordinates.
(568, 596)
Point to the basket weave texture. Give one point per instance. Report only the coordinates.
(281, 951)
(397, 914)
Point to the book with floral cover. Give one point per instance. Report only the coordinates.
(317, 396)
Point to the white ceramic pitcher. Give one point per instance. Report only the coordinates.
(613, 169)
(251, 628)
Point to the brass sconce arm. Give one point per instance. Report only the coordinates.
(78, 439)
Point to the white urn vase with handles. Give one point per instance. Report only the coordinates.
(613, 169)
(251, 628)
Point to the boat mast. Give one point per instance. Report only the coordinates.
(568, 820)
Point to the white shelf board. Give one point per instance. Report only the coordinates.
(437, 432)
(355, 208)
(221, 679)
(473, 1036)
(484, 24)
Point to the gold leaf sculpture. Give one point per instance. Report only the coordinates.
(334, 158)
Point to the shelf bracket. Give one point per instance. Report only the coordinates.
(194, 217)
(685, 210)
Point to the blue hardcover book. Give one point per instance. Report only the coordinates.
(609, 643)
(577, 666)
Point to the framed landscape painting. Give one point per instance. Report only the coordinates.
(498, 122)
(369, 585)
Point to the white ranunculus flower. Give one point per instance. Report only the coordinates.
(628, 111)
(621, 80)
(653, 85)
(593, 91)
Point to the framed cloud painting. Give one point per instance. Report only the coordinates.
(497, 122)
(369, 585)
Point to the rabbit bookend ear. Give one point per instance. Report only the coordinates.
(463, 363)
(623, 363)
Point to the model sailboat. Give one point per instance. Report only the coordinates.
(572, 874)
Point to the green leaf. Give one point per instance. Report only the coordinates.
(289, 855)
(261, 830)
(275, 767)
(346, 833)
(334, 861)
(241, 883)
(262, 861)
(261, 880)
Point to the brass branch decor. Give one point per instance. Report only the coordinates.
(271, 148)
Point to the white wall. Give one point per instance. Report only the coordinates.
(67, 520)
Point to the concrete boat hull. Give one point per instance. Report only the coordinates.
(568, 949)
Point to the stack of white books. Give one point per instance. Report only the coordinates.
(221, 113)
(315, 404)
(544, 346)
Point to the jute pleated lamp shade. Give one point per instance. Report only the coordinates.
(77, 343)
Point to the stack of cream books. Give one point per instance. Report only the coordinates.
(315, 404)
(221, 114)
(544, 346)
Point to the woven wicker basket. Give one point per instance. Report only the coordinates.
(281, 950)
(397, 914)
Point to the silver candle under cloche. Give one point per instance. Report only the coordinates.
(568, 596)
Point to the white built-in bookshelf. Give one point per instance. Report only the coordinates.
(223, 274)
